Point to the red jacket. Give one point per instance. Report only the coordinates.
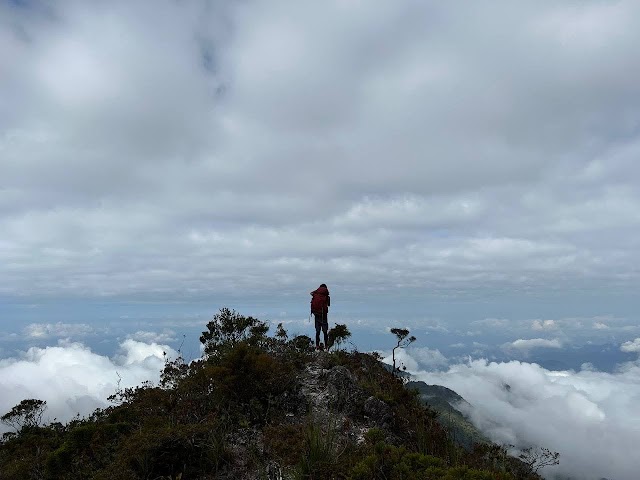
(320, 300)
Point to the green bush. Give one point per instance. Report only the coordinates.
(321, 452)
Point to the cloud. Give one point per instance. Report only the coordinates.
(588, 416)
(74, 380)
(430, 325)
(491, 322)
(579, 329)
(412, 358)
(631, 346)
(544, 325)
(166, 336)
(431, 358)
(260, 147)
(526, 345)
(59, 329)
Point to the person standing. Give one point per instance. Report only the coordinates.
(320, 302)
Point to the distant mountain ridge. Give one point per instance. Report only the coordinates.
(447, 403)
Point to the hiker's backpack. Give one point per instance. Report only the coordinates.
(319, 303)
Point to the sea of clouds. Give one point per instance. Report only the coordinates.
(74, 380)
(591, 417)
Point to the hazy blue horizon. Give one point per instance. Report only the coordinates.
(102, 323)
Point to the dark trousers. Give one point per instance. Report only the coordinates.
(321, 324)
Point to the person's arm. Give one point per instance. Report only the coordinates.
(328, 301)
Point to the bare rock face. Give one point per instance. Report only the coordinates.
(335, 398)
(241, 445)
(314, 388)
(340, 377)
(294, 403)
(345, 395)
(378, 411)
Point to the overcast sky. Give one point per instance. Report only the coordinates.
(170, 148)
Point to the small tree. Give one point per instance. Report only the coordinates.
(538, 457)
(337, 335)
(402, 335)
(301, 343)
(174, 371)
(228, 328)
(281, 333)
(28, 413)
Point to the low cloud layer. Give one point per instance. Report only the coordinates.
(74, 380)
(590, 417)
(528, 344)
(422, 357)
(546, 325)
(631, 346)
(59, 329)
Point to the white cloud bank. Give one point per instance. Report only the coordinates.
(631, 346)
(544, 325)
(591, 418)
(167, 335)
(59, 329)
(415, 357)
(72, 379)
(531, 343)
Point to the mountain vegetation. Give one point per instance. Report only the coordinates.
(447, 404)
(255, 407)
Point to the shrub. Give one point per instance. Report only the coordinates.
(321, 453)
(228, 328)
(338, 335)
